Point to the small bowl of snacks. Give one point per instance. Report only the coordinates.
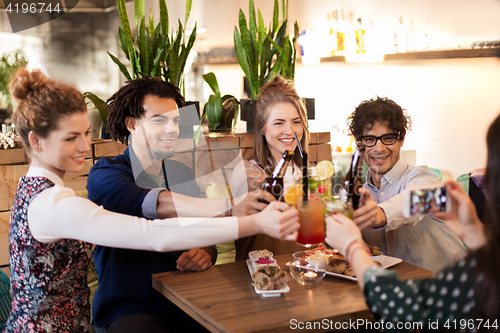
(263, 261)
(377, 255)
(255, 255)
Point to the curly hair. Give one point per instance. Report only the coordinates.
(41, 102)
(379, 109)
(128, 102)
(278, 90)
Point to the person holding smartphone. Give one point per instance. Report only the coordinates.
(424, 241)
(461, 297)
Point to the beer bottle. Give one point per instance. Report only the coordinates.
(274, 184)
(353, 180)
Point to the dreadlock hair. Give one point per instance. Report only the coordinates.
(128, 102)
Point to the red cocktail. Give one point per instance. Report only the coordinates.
(311, 219)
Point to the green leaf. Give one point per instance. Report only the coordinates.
(122, 39)
(135, 66)
(261, 31)
(254, 41)
(265, 58)
(156, 71)
(122, 67)
(122, 10)
(245, 38)
(212, 82)
(173, 57)
(284, 7)
(243, 61)
(142, 37)
(157, 38)
(280, 36)
(151, 24)
(214, 110)
(139, 10)
(188, 11)
(185, 53)
(287, 57)
(276, 69)
(294, 43)
(276, 15)
(163, 18)
(100, 106)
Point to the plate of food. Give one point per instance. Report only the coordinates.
(337, 264)
(268, 280)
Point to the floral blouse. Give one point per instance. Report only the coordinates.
(446, 301)
(49, 280)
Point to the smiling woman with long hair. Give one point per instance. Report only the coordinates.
(52, 230)
(280, 115)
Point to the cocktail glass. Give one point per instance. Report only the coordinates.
(311, 219)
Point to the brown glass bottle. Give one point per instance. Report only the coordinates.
(353, 180)
(274, 184)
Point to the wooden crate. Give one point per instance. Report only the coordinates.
(10, 174)
(13, 156)
(107, 148)
(4, 238)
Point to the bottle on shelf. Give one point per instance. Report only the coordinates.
(400, 36)
(332, 24)
(341, 31)
(360, 37)
(274, 183)
(353, 180)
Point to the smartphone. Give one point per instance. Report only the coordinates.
(425, 201)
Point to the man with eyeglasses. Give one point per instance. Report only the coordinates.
(381, 125)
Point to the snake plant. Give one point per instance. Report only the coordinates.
(153, 51)
(264, 52)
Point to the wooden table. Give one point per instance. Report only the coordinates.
(222, 298)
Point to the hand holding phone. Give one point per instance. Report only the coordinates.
(426, 201)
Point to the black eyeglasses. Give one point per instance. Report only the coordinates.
(387, 139)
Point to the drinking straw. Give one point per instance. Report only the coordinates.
(298, 146)
(305, 177)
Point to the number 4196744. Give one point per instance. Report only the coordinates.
(470, 324)
(33, 8)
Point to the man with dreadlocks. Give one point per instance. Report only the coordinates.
(145, 182)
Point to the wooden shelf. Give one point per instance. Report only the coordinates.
(484, 52)
(216, 61)
(446, 54)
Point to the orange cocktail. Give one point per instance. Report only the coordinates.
(311, 219)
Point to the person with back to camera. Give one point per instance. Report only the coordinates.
(461, 297)
(424, 241)
(280, 114)
(52, 230)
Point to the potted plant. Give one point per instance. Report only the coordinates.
(221, 111)
(10, 62)
(263, 53)
(153, 51)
